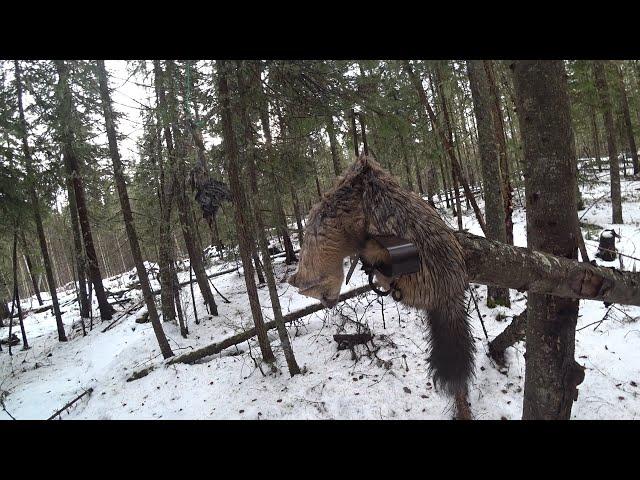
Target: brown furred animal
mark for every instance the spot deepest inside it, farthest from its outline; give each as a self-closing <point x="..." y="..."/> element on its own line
<point x="368" y="201"/>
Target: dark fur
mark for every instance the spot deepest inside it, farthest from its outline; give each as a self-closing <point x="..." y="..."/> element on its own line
<point x="365" y="201"/>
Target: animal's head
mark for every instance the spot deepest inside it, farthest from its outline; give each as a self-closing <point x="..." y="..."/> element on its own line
<point x="335" y="229"/>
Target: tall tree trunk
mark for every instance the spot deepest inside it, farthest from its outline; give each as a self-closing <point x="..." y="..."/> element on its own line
<point x="333" y="144"/>
<point x="281" y="219"/>
<point x="127" y="215"/>
<point x="32" y="275"/>
<point x="240" y="208"/>
<point x="354" y="133"/>
<point x="194" y="249"/>
<point x="542" y="97"/>
<point x="445" y="141"/>
<point x="405" y="159"/>
<point x="35" y="204"/>
<point x="622" y="92"/>
<point x="498" y="129"/>
<point x="249" y="150"/>
<point x="455" y="174"/>
<point x="16" y="294"/>
<point x="73" y="171"/>
<point x="166" y="194"/>
<point x="83" y="298"/>
<point x="298" y="214"/>
<point x="595" y="137"/>
<point x="490" y="161"/>
<point x="614" y="164"/>
<point x="4" y="309"/>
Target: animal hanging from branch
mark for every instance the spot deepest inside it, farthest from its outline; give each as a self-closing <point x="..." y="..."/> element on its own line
<point x="210" y="193"/>
<point x="366" y="206"/>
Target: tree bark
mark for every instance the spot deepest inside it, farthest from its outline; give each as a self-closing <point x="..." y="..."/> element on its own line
<point x="281" y="219"/>
<point x="491" y="166"/>
<point x="596" y="137"/>
<point x="448" y="135"/>
<point x="614" y="165"/>
<point x="445" y="141"/>
<point x="127" y="215"/>
<point x="83" y="298"/>
<point x="333" y="144"/>
<point x="32" y="274"/>
<point x="16" y="294"/>
<point x="624" y="103"/>
<point x="263" y="244"/>
<point x="498" y="129"/>
<point x="240" y="208"/>
<point x="550" y="182"/>
<point x="166" y="191"/>
<point x="35" y="204"/>
<point x="73" y="171"/>
<point x="405" y="160"/>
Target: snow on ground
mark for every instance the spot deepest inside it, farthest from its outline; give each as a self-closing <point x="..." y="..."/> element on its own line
<point x="390" y="382"/>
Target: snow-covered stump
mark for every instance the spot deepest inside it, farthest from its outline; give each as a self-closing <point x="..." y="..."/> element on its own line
<point x="607" y="246"/>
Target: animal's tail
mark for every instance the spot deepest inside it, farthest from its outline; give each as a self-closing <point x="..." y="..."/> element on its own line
<point x="452" y="347"/>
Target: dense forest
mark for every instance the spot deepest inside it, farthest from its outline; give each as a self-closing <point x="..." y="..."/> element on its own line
<point x="188" y="214"/>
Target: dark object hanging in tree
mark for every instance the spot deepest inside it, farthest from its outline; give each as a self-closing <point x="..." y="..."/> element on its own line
<point x="210" y="194"/>
<point x="607" y="247"/>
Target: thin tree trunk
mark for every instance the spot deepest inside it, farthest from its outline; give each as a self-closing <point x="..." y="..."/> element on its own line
<point x="498" y="129"/>
<point x="455" y="177"/>
<point x="622" y="92"/>
<point x="32" y="275"/>
<point x="298" y="214"/>
<point x="79" y="256"/>
<point x="552" y="374"/>
<point x="166" y="193"/>
<point x="260" y="229"/>
<point x="447" y="144"/>
<point x="240" y="208"/>
<point x="405" y="160"/>
<point x="614" y="164"/>
<point x="35" y="204"/>
<point x="16" y="294"/>
<point x="354" y="133"/>
<point x="73" y="171"/>
<point x="333" y="144"/>
<point x="281" y="219"/>
<point x="595" y="137"/>
<point x="491" y="164"/>
<point x="125" y="206"/>
<point x="176" y="298"/>
<point x="256" y="264"/>
<point x="194" y="249"/>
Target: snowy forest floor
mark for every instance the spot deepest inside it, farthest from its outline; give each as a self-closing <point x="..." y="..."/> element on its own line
<point x="388" y="381"/>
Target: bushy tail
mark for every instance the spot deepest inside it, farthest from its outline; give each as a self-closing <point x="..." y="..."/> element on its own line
<point x="452" y="348"/>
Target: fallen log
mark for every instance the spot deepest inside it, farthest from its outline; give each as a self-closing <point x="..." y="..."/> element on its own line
<point x="214" y="348"/>
<point x="58" y="412"/>
<point x="125" y="313"/>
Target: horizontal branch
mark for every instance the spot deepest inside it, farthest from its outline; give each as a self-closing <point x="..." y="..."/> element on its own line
<point x="494" y="263"/>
